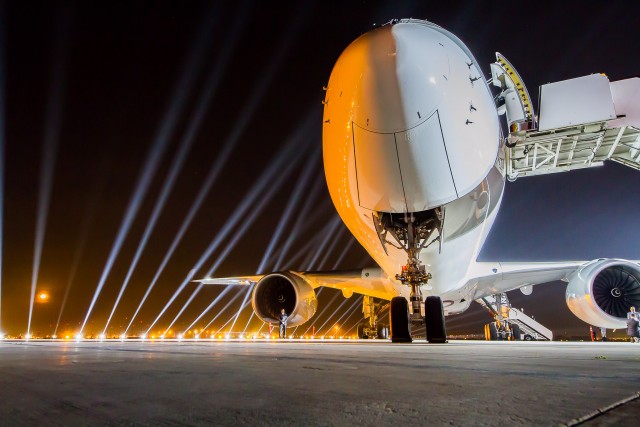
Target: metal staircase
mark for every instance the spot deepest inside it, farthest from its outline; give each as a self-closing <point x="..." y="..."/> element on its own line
<point x="501" y="309"/>
<point x="542" y="152"/>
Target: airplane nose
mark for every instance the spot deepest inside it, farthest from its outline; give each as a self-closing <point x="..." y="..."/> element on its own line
<point x="420" y="115"/>
<point x="402" y="73"/>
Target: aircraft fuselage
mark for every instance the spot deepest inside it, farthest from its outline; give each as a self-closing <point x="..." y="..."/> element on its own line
<point x="410" y="126"/>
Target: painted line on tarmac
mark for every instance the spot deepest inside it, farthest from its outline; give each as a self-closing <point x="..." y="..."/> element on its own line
<point x="601" y="411"/>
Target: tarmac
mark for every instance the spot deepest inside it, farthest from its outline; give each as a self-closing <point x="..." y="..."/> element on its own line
<point x="318" y="383"/>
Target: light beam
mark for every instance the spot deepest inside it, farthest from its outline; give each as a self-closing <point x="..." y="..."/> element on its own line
<point x="302" y="215"/>
<point x="336" y="311"/>
<point x="209" y="307"/>
<point x="50" y="144"/>
<point x="239" y="233"/>
<point x="303" y="180"/>
<point x="160" y="144"/>
<point x="322" y="311"/>
<point x="349" y="311"/>
<point x="235" y="297"/>
<point x="202" y="107"/>
<point x="3" y="70"/>
<point x="334" y="224"/>
<point x="329" y="251"/>
<point x="272" y="175"/>
<point x="221" y="160"/>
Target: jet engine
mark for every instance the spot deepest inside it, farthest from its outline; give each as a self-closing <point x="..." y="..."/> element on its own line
<point x="601" y="292"/>
<point x="286" y="290"/>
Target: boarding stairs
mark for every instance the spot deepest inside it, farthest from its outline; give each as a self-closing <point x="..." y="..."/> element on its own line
<point x="500" y="308"/>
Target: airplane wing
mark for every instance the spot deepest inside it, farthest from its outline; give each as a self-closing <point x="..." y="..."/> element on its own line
<point x="505" y="276"/>
<point x="244" y="280"/>
<point x="368" y="281"/>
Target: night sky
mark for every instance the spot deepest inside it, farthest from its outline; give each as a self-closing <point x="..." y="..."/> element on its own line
<point x="105" y="102"/>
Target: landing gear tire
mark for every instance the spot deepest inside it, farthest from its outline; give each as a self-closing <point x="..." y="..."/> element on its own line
<point x="361" y="333"/>
<point x="399" y="320"/>
<point x="491" y="332"/>
<point x="383" y="332"/>
<point x="434" y="320"/>
<point x="528" y="337"/>
<point x="516" y="335"/>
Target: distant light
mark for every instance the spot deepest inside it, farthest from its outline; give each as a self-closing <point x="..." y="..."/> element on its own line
<point x="122" y="337"/>
<point x="66" y="337"/>
<point x="79" y="337"/>
<point x="197" y="337"/>
<point x="2" y="336"/>
<point x="180" y="337"/>
<point x="102" y="337"/>
<point x="28" y="336"/>
<point x="144" y="337"/>
<point x="162" y="337"/>
<point x="228" y="336"/>
<point x="43" y="296"/>
<point x="55" y="337"/>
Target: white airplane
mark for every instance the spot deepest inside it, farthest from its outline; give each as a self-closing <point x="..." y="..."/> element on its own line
<point x="416" y="160"/>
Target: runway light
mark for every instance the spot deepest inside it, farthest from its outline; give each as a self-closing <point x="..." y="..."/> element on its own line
<point x="79" y="337"/>
<point x="28" y="337"/>
<point x="55" y="337"/>
<point x="102" y="337"/>
<point x="227" y="336"/>
<point x="2" y="336"/>
<point x="144" y="337"/>
<point x="66" y="337"/>
<point x="162" y="337"/>
<point x="180" y="336"/>
<point x="122" y="337"/>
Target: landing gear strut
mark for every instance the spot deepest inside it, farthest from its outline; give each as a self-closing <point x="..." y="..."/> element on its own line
<point x="412" y="231"/>
<point x="372" y="329"/>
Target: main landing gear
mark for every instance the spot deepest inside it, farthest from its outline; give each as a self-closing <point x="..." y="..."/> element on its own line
<point x="372" y="329"/>
<point x="412" y="231"/>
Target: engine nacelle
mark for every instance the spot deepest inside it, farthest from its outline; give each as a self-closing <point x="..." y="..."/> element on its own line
<point x="601" y="292"/>
<point x="286" y="290"/>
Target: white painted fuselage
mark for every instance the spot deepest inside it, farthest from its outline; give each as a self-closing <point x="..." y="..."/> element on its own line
<point x="410" y="125"/>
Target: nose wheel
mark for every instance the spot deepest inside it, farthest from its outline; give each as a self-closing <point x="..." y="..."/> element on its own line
<point x="399" y="320"/>
<point x="434" y="320"/>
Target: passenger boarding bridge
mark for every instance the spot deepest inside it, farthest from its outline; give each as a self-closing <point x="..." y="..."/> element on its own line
<point x="581" y="123"/>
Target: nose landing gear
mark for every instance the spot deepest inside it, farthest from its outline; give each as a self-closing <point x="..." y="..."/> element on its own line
<point x="429" y="312"/>
<point x="412" y="232"/>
